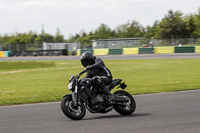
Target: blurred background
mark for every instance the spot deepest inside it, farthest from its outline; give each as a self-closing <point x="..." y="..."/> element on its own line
<point x="33" y="26"/>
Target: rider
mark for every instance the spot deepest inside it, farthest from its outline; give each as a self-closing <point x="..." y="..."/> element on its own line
<point x="97" y="70"/>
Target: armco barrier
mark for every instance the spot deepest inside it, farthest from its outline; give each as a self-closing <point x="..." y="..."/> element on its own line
<point x="115" y="51"/>
<point x="146" y="50"/>
<point x="197" y="49"/>
<point x="130" y="51"/>
<point x="101" y="51"/>
<point x="185" y="49"/>
<point x="163" y="50"/>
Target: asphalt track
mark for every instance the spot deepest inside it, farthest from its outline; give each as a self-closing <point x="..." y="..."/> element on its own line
<point x="173" y="112"/>
<point x="110" y="57"/>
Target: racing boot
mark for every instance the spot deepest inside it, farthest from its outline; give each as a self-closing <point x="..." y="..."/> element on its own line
<point x="111" y="97"/>
<point x="102" y="86"/>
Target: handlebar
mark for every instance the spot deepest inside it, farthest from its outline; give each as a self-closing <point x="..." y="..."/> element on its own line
<point x="81" y="73"/>
<point x="84" y="71"/>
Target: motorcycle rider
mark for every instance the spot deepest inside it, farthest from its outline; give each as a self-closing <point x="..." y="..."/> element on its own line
<point x="97" y="70"/>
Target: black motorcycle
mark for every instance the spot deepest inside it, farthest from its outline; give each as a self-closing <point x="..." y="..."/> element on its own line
<point x="85" y="94"/>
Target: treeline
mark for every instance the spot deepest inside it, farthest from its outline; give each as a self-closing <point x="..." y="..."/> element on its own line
<point x="173" y="25"/>
<point x="32" y="38"/>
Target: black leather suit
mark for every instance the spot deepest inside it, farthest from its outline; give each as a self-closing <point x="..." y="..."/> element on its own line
<point x="98" y="70"/>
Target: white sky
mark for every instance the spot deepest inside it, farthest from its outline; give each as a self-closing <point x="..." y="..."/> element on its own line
<point x="72" y="16"/>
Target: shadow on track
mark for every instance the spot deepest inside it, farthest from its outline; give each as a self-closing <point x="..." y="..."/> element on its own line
<point x="120" y="116"/>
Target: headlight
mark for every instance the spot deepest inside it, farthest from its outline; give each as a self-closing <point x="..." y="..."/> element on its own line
<point x="70" y="86"/>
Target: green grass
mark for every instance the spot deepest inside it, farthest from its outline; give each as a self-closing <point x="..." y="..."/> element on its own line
<point x="42" y="81"/>
<point x="6" y="66"/>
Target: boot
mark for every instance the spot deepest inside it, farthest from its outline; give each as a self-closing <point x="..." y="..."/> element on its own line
<point x="111" y="97"/>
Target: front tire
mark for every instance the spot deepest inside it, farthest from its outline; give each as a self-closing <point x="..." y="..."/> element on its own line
<point x="74" y="113"/>
<point x="129" y="107"/>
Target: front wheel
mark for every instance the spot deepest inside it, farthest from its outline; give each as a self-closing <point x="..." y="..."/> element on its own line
<point x="127" y="108"/>
<point x="74" y="113"/>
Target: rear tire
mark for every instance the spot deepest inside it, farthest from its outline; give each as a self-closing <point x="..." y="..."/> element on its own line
<point x="130" y="106"/>
<point x="70" y="111"/>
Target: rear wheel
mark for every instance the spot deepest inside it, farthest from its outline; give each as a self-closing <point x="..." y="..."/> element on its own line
<point x="126" y="108"/>
<point x="75" y="113"/>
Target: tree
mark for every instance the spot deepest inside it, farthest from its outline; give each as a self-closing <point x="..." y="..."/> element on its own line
<point x="74" y="38"/>
<point x="59" y="37"/>
<point x="103" y="32"/>
<point x="44" y="38"/>
<point x="152" y="31"/>
<point x="196" y="32"/>
<point x="173" y="25"/>
<point x="190" y="24"/>
<point x="38" y="40"/>
<point x="129" y="30"/>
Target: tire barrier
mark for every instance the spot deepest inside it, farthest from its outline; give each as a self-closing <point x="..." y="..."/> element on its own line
<point x="1" y="54"/>
<point x="63" y="52"/>
<point x="86" y="50"/>
<point x="163" y="50"/>
<point x="197" y="49"/>
<point x="146" y="50"/>
<point x="78" y="51"/>
<point x="106" y="51"/>
<point x="115" y="51"/>
<point x="5" y="53"/>
<point x="185" y="49"/>
<point x="101" y="51"/>
<point x="130" y="51"/>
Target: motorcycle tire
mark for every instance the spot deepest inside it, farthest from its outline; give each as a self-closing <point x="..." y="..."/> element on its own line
<point x="125" y="109"/>
<point x="71" y="112"/>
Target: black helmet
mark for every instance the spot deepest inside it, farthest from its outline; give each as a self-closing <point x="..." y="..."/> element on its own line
<point x="87" y="58"/>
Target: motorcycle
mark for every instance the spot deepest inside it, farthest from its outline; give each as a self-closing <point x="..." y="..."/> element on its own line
<point x="85" y="94"/>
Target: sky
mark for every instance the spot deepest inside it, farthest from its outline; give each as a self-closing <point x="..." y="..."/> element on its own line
<point x="74" y="16"/>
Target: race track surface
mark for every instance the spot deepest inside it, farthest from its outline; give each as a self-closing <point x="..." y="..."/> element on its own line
<point x="110" y="57"/>
<point x="173" y="112"/>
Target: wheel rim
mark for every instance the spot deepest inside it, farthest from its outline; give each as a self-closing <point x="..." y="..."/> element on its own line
<point x="127" y="104"/>
<point x="74" y="110"/>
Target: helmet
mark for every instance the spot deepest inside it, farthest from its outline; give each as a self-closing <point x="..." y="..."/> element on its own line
<point x="87" y="59"/>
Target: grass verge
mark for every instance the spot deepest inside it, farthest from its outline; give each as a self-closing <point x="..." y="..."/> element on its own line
<point x="43" y="81"/>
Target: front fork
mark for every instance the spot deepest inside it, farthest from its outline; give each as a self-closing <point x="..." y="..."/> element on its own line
<point x="75" y="98"/>
<point x="75" y="95"/>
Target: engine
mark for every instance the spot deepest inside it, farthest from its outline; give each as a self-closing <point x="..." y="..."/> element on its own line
<point x="99" y="98"/>
<point x="84" y="91"/>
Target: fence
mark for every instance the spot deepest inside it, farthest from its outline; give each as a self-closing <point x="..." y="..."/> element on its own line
<point x="168" y="42"/>
<point x="174" y="41"/>
<point x="141" y="42"/>
<point x="22" y="47"/>
<point x="117" y="43"/>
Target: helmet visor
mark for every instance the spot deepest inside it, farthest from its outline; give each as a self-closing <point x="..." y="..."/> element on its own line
<point x="84" y="62"/>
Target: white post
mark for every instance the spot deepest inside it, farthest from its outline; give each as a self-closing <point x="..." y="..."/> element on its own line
<point x="44" y="45"/>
